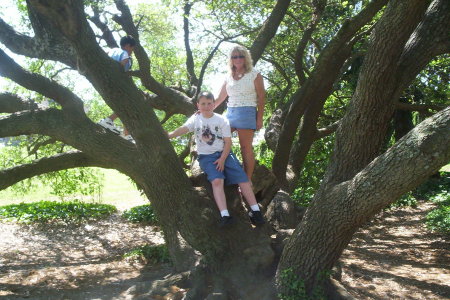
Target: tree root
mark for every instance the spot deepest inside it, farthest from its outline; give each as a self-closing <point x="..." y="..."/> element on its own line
<point x="336" y="291"/>
<point x="158" y="288"/>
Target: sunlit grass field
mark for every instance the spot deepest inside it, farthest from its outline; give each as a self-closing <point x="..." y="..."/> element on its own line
<point x="118" y="190"/>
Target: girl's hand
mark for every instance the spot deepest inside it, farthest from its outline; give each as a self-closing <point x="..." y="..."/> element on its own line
<point x="259" y="124"/>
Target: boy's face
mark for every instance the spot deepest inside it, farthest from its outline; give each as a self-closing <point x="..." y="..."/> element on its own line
<point x="128" y="48"/>
<point x="205" y="105"/>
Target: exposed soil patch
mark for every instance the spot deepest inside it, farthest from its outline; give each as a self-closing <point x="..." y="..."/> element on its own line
<point x="396" y="257"/>
<point x="393" y="257"/>
<point x="74" y="262"/>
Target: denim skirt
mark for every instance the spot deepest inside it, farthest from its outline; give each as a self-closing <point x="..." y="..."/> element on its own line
<point x="242" y="117"/>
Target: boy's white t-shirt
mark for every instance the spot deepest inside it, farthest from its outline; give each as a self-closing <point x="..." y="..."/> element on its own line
<point x="209" y="132"/>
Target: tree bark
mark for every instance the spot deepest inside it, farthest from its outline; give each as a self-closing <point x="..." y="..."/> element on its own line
<point x="337" y="211"/>
<point x="380" y="69"/>
<point x="317" y="88"/>
<point x="357" y="186"/>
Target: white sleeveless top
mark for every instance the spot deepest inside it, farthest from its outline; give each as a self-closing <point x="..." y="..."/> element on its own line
<point x="242" y="92"/>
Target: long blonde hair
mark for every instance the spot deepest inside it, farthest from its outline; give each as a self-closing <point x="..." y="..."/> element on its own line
<point x="240" y="50"/>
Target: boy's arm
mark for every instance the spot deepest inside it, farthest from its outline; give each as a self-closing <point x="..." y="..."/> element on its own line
<point x="226" y="150"/>
<point x="124" y="62"/>
<point x="177" y="132"/>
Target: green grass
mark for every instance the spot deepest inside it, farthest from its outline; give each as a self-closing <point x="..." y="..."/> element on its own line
<point x="140" y="214"/>
<point x="55" y="212"/>
<point x="118" y="191"/>
<point x="150" y="253"/>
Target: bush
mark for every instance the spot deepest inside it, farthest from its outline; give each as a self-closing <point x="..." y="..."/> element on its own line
<point x="150" y="253"/>
<point x="433" y="187"/>
<point x="439" y="219"/>
<point x="294" y="288"/>
<point x="140" y="214"/>
<point x="407" y="199"/>
<point x="50" y="211"/>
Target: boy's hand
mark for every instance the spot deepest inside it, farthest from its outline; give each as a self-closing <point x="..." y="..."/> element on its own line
<point x="220" y="164"/>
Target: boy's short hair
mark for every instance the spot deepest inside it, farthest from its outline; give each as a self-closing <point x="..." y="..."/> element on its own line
<point x="207" y="95"/>
<point x="127" y="40"/>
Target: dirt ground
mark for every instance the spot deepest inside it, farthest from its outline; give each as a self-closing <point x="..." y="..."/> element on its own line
<point x="396" y="257"/>
<point x="393" y="257"/>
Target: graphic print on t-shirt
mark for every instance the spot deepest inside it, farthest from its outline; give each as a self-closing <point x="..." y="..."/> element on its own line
<point x="208" y="136"/>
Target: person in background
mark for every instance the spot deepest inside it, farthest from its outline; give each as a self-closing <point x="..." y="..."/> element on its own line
<point x="123" y="56"/>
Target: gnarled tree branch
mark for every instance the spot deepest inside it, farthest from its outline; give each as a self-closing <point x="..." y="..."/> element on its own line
<point x="47" y="45"/>
<point x="380" y="68"/>
<point x="318" y="87"/>
<point x="307" y="33"/>
<point x="167" y="96"/>
<point x="107" y="35"/>
<point x="193" y="80"/>
<point x="45" y="165"/>
<point x="11" y="103"/>
<point x="51" y="89"/>
<point x="268" y="29"/>
<point x="418" y="107"/>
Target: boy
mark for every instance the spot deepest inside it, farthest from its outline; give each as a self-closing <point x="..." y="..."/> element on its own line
<point x="213" y="138"/>
<point x="123" y="56"/>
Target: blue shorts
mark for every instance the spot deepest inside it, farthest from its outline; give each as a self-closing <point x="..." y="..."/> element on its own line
<point x="232" y="173"/>
<point x="242" y="117"/>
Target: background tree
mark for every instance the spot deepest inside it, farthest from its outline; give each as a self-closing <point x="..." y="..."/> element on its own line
<point x="332" y="67"/>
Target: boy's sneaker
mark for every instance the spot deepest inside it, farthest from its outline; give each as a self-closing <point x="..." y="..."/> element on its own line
<point x="128" y="138"/>
<point x="109" y="124"/>
<point x="256" y="218"/>
<point x="226" y="221"/>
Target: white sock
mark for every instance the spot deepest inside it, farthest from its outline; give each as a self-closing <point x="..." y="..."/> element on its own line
<point x="224" y="213"/>
<point x="255" y="207"/>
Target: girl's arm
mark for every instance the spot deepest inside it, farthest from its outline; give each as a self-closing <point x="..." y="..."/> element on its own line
<point x="222" y="95"/>
<point x="261" y="100"/>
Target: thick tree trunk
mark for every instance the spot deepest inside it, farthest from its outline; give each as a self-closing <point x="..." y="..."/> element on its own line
<point x="357" y="186"/>
<point x="364" y="126"/>
<point x="156" y="167"/>
<point x="337" y="211"/>
<point x="313" y="93"/>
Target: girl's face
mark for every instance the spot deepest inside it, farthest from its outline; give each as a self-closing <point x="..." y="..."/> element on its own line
<point x="205" y="105"/>
<point x="238" y="59"/>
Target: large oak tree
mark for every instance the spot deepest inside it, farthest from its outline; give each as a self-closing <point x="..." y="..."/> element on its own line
<point x="360" y="179"/>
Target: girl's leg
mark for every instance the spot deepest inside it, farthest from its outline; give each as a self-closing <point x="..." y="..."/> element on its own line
<point x="247" y="192"/>
<point x="248" y="157"/>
